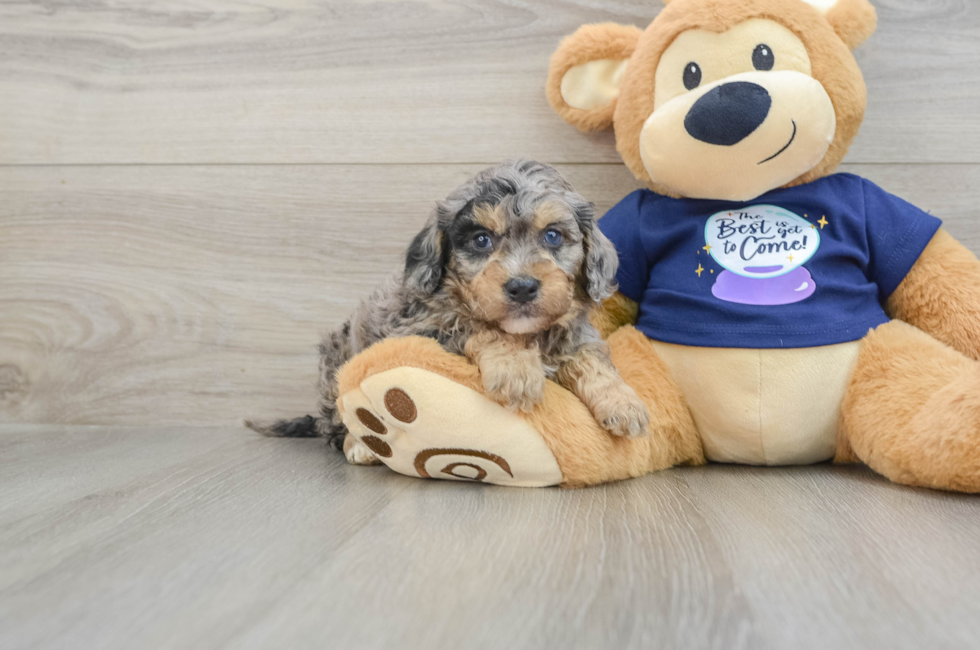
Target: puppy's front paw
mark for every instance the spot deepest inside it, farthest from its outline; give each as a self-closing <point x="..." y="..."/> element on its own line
<point x="621" y="413"/>
<point x="357" y="452"/>
<point x="516" y="386"/>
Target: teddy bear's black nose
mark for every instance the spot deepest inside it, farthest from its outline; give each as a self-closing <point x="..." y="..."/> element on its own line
<point x="728" y="114"/>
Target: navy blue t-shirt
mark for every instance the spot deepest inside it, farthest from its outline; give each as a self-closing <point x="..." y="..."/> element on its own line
<point x="799" y="267"/>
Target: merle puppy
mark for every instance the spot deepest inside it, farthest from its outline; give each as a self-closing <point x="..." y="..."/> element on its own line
<point x="506" y="272"/>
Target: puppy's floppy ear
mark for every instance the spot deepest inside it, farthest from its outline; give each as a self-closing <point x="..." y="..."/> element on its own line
<point x="425" y="259"/>
<point x="853" y="20"/>
<point x="586" y="71"/>
<point x="601" y="261"/>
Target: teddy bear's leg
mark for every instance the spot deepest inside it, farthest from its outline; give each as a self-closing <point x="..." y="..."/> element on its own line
<point x="590" y="455"/>
<point x="912" y="410"/>
<point x="422" y="411"/>
<point x="673" y="436"/>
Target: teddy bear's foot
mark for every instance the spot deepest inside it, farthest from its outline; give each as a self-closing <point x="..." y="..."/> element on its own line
<point x="422" y="424"/>
<point x="424" y="413"/>
<point x="912" y="410"/>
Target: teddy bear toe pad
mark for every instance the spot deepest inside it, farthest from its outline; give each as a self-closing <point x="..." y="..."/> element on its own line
<point x="424" y="425"/>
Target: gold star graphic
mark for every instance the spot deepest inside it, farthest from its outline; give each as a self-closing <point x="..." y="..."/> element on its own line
<point x="790" y="257"/>
<point x="823" y="221"/>
<point x="699" y="270"/>
<point x="707" y="247"/>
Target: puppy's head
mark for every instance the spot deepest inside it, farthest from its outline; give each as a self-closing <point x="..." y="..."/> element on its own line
<point x="517" y="246"/>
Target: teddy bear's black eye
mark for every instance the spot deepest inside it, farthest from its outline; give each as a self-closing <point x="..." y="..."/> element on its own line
<point x="692" y="76"/>
<point x="763" y="58"/>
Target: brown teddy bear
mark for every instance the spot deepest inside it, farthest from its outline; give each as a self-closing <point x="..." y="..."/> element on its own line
<point x="783" y="314"/>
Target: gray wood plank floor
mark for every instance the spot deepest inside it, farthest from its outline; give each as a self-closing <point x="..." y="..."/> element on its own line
<point x="190" y="191"/>
<point x="435" y="81"/>
<point x="217" y="538"/>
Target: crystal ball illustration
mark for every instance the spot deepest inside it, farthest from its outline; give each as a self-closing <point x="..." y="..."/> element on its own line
<point x="763" y="249"/>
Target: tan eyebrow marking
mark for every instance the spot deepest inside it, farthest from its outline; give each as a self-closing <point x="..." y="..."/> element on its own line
<point x="547" y="214"/>
<point x="490" y="218"/>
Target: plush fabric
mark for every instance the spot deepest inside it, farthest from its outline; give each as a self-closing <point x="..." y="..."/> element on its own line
<point x="763" y="407"/>
<point x="853" y="20"/>
<point x="594" y="84"/>
<point x="939" y="295"/>
<point x="616" y="311"/>
<point x="832" y="64"/>
<point x="719" y="274"/>
<point x="912" y="410"/>
<point x="793" y="108"/>
<point x="452" y="413"/>
<point x="420" y="423"/>
<point x="602" y="42"/>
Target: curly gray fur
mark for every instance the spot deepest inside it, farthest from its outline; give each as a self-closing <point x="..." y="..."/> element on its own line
<point x="425" y="298"/>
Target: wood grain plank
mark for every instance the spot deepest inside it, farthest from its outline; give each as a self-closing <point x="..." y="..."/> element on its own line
<point x="169" y="537"/>
<point x="437" y="81"/>
<point x="217" y="538"/>
<point x="866" y="559"/>
<point x="630" y="565"/>
<point x="194" y="295"/>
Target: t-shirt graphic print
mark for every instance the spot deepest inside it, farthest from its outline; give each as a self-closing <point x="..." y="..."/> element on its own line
<point x="763" y="249"/>
<point x="805" y="266"/>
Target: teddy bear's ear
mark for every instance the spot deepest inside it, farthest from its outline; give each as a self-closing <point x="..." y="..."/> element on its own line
<point x="853" y="20"/>
<point x="585" y="73"/>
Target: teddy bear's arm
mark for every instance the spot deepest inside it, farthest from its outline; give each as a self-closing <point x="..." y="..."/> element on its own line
<point x="615" y="311"/>
<point x="941" y="295"/>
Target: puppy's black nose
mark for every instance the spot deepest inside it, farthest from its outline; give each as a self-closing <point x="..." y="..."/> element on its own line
<point x="522" y="289"/>
<point x="728" y="114"/>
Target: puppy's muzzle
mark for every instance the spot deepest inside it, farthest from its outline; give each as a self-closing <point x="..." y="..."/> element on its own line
<point x="522" y="289"/>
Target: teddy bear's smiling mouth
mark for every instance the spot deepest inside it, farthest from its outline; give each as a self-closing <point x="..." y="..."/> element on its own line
<point x="784" y="148"/>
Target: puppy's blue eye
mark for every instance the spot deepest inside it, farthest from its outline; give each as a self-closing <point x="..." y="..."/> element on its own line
<point x="553" y="238"/>
<point x="483" y="242"/>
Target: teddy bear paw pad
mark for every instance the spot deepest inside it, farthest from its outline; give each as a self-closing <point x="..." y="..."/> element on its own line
<point x="424" y="425"/>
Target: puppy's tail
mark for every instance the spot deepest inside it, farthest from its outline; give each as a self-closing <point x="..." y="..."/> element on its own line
<point x="304" y="427"/>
